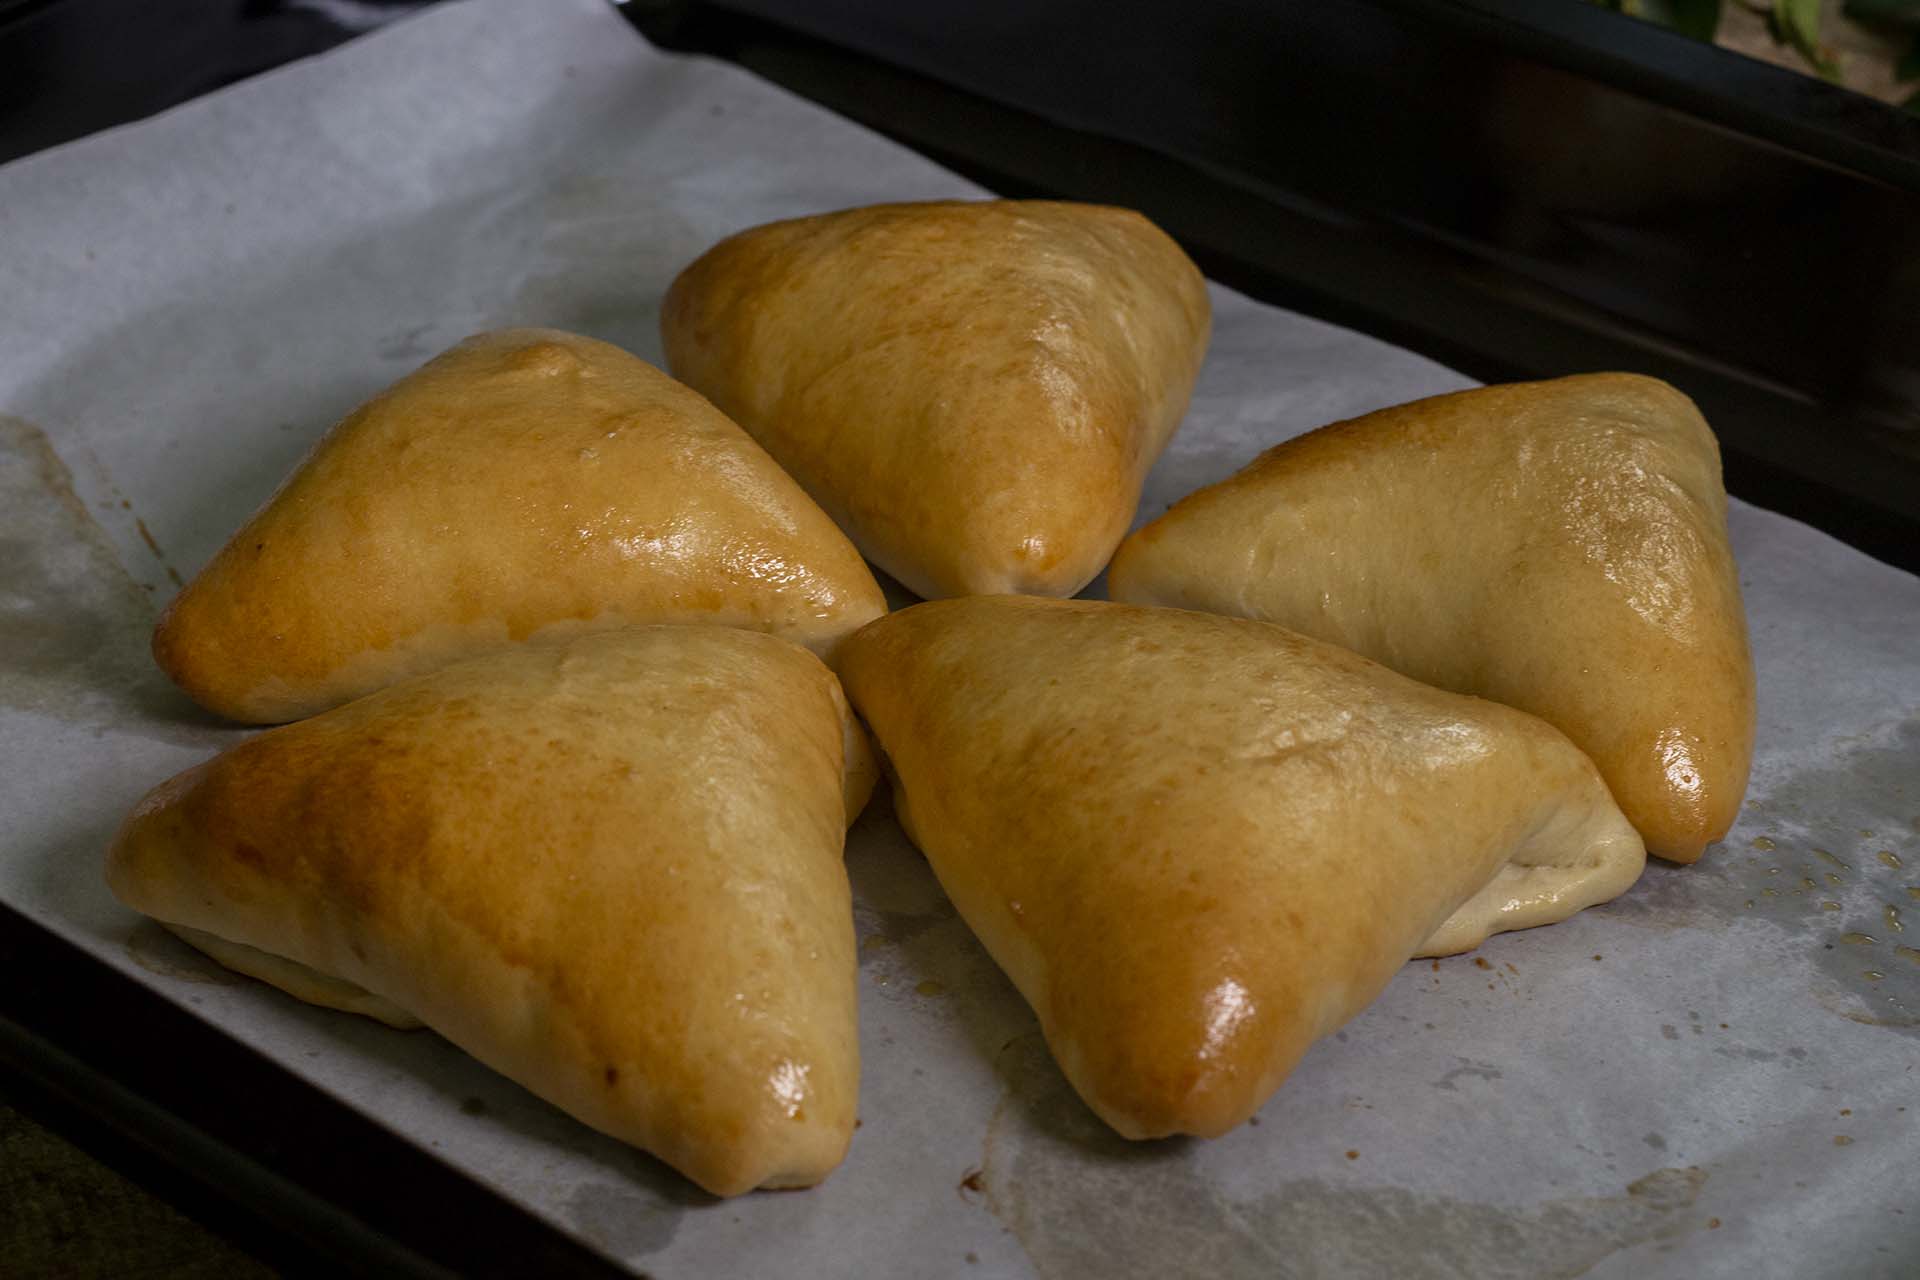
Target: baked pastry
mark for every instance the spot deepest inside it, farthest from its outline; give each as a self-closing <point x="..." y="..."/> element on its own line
<point x="1198" y="843"/>
<point x="1557" y="546"/>
<point x="975" y="391"/>
<point x="610" y="868"/>
<point x="527" y="485"/>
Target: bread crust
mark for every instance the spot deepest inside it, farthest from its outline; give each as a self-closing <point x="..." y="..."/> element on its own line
<point x="527" y="486"/>
<point x="1557" y="546"/>
<point x="974" y="390"/>
<point x="1198" y="843"/>
<point x="610" y="869"/>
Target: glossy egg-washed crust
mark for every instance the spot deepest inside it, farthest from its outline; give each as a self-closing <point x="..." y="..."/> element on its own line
<point x="528" y="484"/>
<point x="1198" y="843"/>
<point x="610" y="869"/>
<point x="974" y="390"/>
<point x="1557" y="546"/>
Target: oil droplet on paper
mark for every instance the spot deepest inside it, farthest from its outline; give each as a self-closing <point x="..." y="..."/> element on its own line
<point x="1764" y="845"/>
<point x="1889" y="857"/>
<point x="1859" y="939"/>
<point x="1893" y="919"/>
<point x="1822" y="853"/>
<point x="931" y="988"/>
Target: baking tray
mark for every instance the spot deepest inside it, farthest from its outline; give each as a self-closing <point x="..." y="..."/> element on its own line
<point x="348" y="1190"/>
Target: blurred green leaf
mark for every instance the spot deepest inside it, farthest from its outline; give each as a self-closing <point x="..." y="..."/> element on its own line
<point x="1697" y="18"/>
<point x="1908" y="68"/>
<point x="1912" y="104"/>
<point x="1905" y="13"/>
<point x="1797" y="22"/>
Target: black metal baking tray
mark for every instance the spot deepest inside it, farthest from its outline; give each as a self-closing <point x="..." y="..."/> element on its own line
<point x="1518" y="188"/>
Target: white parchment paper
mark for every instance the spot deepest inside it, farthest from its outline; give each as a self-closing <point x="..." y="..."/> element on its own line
<point x="1714" y="1076"/>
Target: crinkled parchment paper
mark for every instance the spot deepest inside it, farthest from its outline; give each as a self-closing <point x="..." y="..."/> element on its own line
<point x="1714" y="1076"/>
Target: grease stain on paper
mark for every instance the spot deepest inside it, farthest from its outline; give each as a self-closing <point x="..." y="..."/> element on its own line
<point x="74" y="625"/>
<point x="913" y="943"/>
<point x="1820" y="825"/>
<point x="624" y="1222"/>
<point x="1484" y="1071"/>
<point x="1083" y="1201"/>
<point x="157" y="951"/>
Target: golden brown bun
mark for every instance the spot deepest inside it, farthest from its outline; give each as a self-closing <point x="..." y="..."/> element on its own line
<point x="610" y="869"/>
<point x="1197" y="843"/>
<point x="1557" y="546"/>
<point x="975" y="391"/>
<point x="528" y="485"/>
